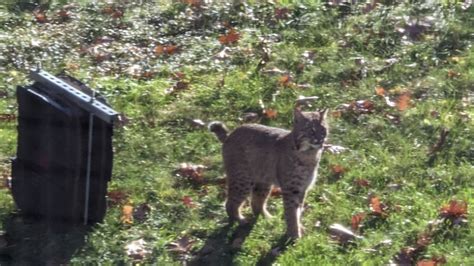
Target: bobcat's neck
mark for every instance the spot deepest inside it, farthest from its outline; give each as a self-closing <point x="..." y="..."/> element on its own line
<point x="310" y="154"/>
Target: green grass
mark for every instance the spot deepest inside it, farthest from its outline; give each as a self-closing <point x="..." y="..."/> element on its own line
<point x="342" y="56"/>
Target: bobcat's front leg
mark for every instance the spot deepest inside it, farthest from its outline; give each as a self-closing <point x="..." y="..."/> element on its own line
<point x="293" y="204"/>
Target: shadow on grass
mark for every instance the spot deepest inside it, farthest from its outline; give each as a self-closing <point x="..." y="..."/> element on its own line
<point x="30" y="241"/>
<point x="220" y="248"/>
<point x="278" y="248"/>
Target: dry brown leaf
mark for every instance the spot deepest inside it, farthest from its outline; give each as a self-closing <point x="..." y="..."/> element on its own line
<point x="435" y="261"/>
<point x="165" y="49"/>
<point x="380" y="91"/>
<point x="270" y="113"/>
<point x="336" y="114"/>
<point x="275" y="192"/>
<point x="188" y="202"/>
<point x="127" y="214"/>
<point x="194" y="3"/>
<point x="282" y="13"/>
<point x="231" y="37"/>
<point x="453" y="74"/>
<point x="193" y="172"/>
<point x="376" y="206"/>
<point x="404" y="101"/>
<point x="426" y="263"/>
<point x="178" y="86"/>
<point x="362" y="182"/>
<point x="356" y="220"/>
<point x="284" y="80"/>
<point x="337" y="169"/>
<point x="116" y="197"/>
<point x="40" y="16"/>
<point x="454" y="209"/>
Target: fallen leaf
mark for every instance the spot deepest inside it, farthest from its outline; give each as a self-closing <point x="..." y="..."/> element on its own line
<point x="137" y="250"/>
<point x="453" y="74"/>
<point x="40" y="16"/>
<point x="403" y="101"/>
<point x="338" y="170"/>
<point x="454" y="209"/>
<point x="194" y="3"/>
<point x="405" y="256"/>
<point x="358" y="107"/>
<point x="178" y="75"/>
<point x="342" y="234"/>
<point x="182" y="245"/>
<point x="356" y="220"/>
<point x="231" y="37"/>
<point x="380" y="91"/>
<point x="127" y="214"/>
<point x="270" y="113"/>
<point x="426" y="263"/>
<point x="435" y="261"/>
<point x="282" y="13"/>
<point x="178" y="86"/>
<point x="284" y="80"/>
<point x="140" y="213"/>
<point x="64" y="14"/>
<point x="275" y="192"/>
<point x="336" y="114"/>
<point x="165" y="49"/>
<point x="188" y="202"/>
<point x="376" y="206"/>
<point x="366" y="105"/>
<point x="362" y="182"/>
<point x="116" y="197"/>
<point x="194" y="172"/>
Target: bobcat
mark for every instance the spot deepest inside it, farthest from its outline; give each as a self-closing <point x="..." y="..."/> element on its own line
<point x="256" y="157"/>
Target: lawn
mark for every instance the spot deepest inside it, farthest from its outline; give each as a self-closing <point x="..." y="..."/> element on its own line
<point x="397" y="76"/>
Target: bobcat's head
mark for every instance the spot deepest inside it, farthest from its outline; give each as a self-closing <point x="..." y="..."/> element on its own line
<point x="309" y="129"/>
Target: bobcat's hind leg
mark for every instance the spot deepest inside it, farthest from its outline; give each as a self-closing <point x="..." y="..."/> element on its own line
<point x="260" y="194"/>
<point x="237" y="192"/>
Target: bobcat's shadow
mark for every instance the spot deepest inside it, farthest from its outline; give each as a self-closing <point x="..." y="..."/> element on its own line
<point x="221" y="246"/>
<point x="279" y="247"/>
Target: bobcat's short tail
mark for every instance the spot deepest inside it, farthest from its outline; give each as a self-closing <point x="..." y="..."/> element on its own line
<point x="219" y="129"/>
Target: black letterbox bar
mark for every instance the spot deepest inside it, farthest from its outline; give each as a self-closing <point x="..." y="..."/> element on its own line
<point x="85" y="101"/>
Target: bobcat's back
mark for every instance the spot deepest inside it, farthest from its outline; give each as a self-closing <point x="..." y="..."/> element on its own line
<point x="254" y="148"/>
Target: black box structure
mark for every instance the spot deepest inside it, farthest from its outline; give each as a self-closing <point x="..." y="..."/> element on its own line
<point x="64" y="153"/>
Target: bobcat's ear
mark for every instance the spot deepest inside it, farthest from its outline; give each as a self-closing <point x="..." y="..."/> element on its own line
<point x="323" y="115"/>
<point x="297" y="114"/>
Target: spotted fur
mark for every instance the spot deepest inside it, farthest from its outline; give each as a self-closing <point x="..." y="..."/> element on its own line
<point x="257" y="157"/>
